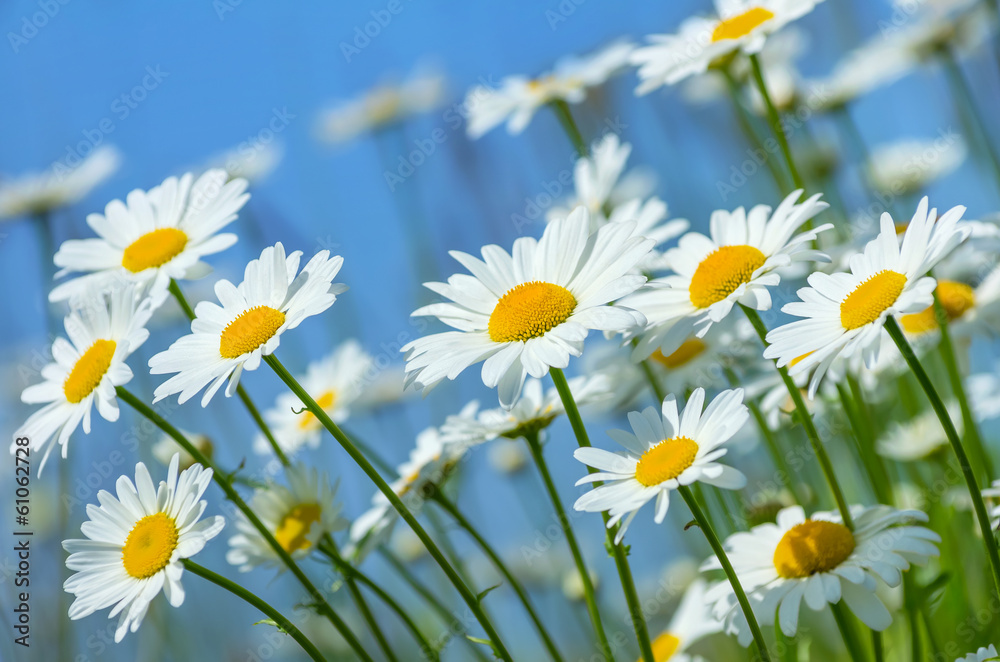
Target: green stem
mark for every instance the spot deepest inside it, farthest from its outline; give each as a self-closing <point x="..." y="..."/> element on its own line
<point x="876" y="475"/>
<point x="746" y="125"/>
<point x="283" y="623"/>
<point x="807" y="422"/>
<point x="467" y="595"/>
<point x="562" y="111"/>
<point x="654" y="383"/>
<point x="877" y="646"/>
<point x="727" y="567"/>
<point x="842" y="616"/>
<point x="617" y="550"/>
<point x="319" y="602"/>
<point x="775" y="121"/>
<point x="956" y="444"/>
<point x="961" y="90"/>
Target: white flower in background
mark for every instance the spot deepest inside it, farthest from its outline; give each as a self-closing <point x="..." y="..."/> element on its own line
<point x="982" y="655"/>
<point x="918" y="437"/>
<point x="908" y="166"/>
<point x="297" y="515"/>
<point x="691" y="622"/>
<point x="993" y="492"/>
<point x="252" y="161"/>
<point x="970" y="310"/>
<point x="877" y="63"/>
<point x="153" y="236"/>
<point x="527" y="312"/>
<point x="844" y="313"/>
<point x="662" y="453"/>
<point x="572" y="584"/>
<point x="334" y="382"/>
<point x="136" y="544"/>
<point x="737" y="263"/>
<point x="517" y="98"/>
<point x="58" y="186"/>
<point x="819" y="561"/>
<point x="701" y="42"/>
<point x="384" y="105"/>
<point x="984" y="394"/>
<point x="85" y="370"/>
<point x="274" y="297"/>
<point x="507" y="458"/>
<point x="167" y="447"/>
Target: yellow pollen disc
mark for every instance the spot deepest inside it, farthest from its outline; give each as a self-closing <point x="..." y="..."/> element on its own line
<point x="249" y="331"/>
<point x="722" y="271"/>
<point x="530" y="310"/>
<point x="295" y="525"/>
<point x="688" y="351"/>
<point x="811" y="547"/>
<point x="956" y="299"/>
<point x="742" y="24"/>
<point x="89" y="370"/>
<point x="871" y="298"/>
<point x="664" y="647"/>
<point x="154" y="249"/>
<point x="149" y="545"/>
<point x="325" y="402"/>
<point x="667" y="459"/>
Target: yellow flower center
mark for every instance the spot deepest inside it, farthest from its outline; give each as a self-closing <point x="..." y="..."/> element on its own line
<point x="956" y="300"/>
<point x="149" y="545"/>
<point x="295" y="525"/>
<point x="742" y="24"/>
<point x="530" y="310"/>
<point x="249" y="331"/>
<point x="871" y="298"/>
<point x="722" y="271"/>
<point x="667" y="459"/>
<point x="89" y="370"/>
<point x="688" y="351"/>
<point x="811" y="547"/>
<point x="664" y="647"/>
<point x="154" y="249"/>
<point x="325" y="401"/>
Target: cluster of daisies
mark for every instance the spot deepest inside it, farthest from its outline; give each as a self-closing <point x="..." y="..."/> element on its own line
<point x="875" y="521"/>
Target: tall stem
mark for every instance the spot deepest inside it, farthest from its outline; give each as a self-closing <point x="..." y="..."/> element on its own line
<point x="841" y="615"/>
<point x="468" y="596"/>
<point x="561" y="109"/>
<point x="775" y="121"/>
<point x="746" y="125"/>
<point x="961" y="90"/>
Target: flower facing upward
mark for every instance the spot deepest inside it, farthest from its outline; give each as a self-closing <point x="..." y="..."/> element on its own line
<point x="665" y="450"/>
<point x="527" y="312"/>
<point x="136" y="543"/>
<point x="274" y="297"/>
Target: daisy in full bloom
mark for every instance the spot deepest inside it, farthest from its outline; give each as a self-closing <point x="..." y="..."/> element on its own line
<point x="274" y="297"/>
<point x="701" y="42"/>
<point x="988" y="654"/>
<point x="297" y="515"/>
<point x="136" y="543"/>
<point x="335" y="383"/>
<point x="527" y="312"/>
<point x="86" y="369"/>
<point x="59" y="186"/>
<point x="153" y="236"/>
<point x="970" y="310"/>
<point x="518" y="97"/>
<point x="737" y="263"/>
<point x="665" y="450"/>
<point x="844" y="313"/>
<point x="692" y="622"/>
<point x="819" y="561"/>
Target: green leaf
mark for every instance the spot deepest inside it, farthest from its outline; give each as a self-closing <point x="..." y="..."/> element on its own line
<point x="271" y="622"/>
<point x="482" y="594"/>
<point x="485" y="642"/>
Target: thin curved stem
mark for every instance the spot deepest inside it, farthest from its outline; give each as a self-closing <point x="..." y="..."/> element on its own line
<point x="251" y="599"/>
<point x="617" y="550"/>
<point x="775" y="121"/>
<point x="561" y="109"/>
<point x="746" y="125"/>
<point x="468" y="596"/>
<point x="842" y="617"/>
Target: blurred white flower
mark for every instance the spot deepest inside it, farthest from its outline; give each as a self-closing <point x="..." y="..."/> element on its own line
<point x="58" y="186"/>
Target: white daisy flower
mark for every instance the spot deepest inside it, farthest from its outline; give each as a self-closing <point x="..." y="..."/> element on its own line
<point x="662" y="453"/>
<point x="297" y="515"/>
<point x="153" y="236"/>
<point x="984" y="394"/>
<point x="596" y="178"/>
<point x="136" y="543"/>
<point x="819" y="561"/>
<point x="970" y="310"/>
<point x="226" y="339"/>
<point x="919" y="437"/>
<point x="691" y="622"/>
<point x="701" y="42"/>
<point x="528" y="312"/>
<point x="86" y="369"/>
<point x="737" y="263"/>
<point x="167" y="447"/>
<point x="907" y="166"/>
<point x="845" y="312"/>
<point x="518" y="97"/>
<point x="59" y="186"/>
<point x="988" y="654"/>
<point x="252" y="161"/>
<point x="335" y="383"/>
<point x="877" y="63"/>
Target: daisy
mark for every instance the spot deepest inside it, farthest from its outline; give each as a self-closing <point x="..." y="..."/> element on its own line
<point x="518" y="97"/>
<point x="737" y="263"/>
<point x="528" y="312"/>
<point x="988" y="654"/>
<point x="86" y="369"/>
<point x="919" y="437"/>
<point x="59" y="186"/>
<point x="691" y="622"/>
<point x="273" y="298"/>
<point x="297" y="515"/>
<point x="970" y="310"/>
<point x="136" y="544"/>
<point x="153" y="236"/>
<point x="662" y="453"/>
<point x="703" y="42"/>
<point x="335" y="383"/>
<point x="845" y="312"/>
<point x="875" y="64"/>
<point x="820" y="561"/>
<point x="252" y="161"/>
<point x="167" y="447"/>
<point x="908" y="166"/>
